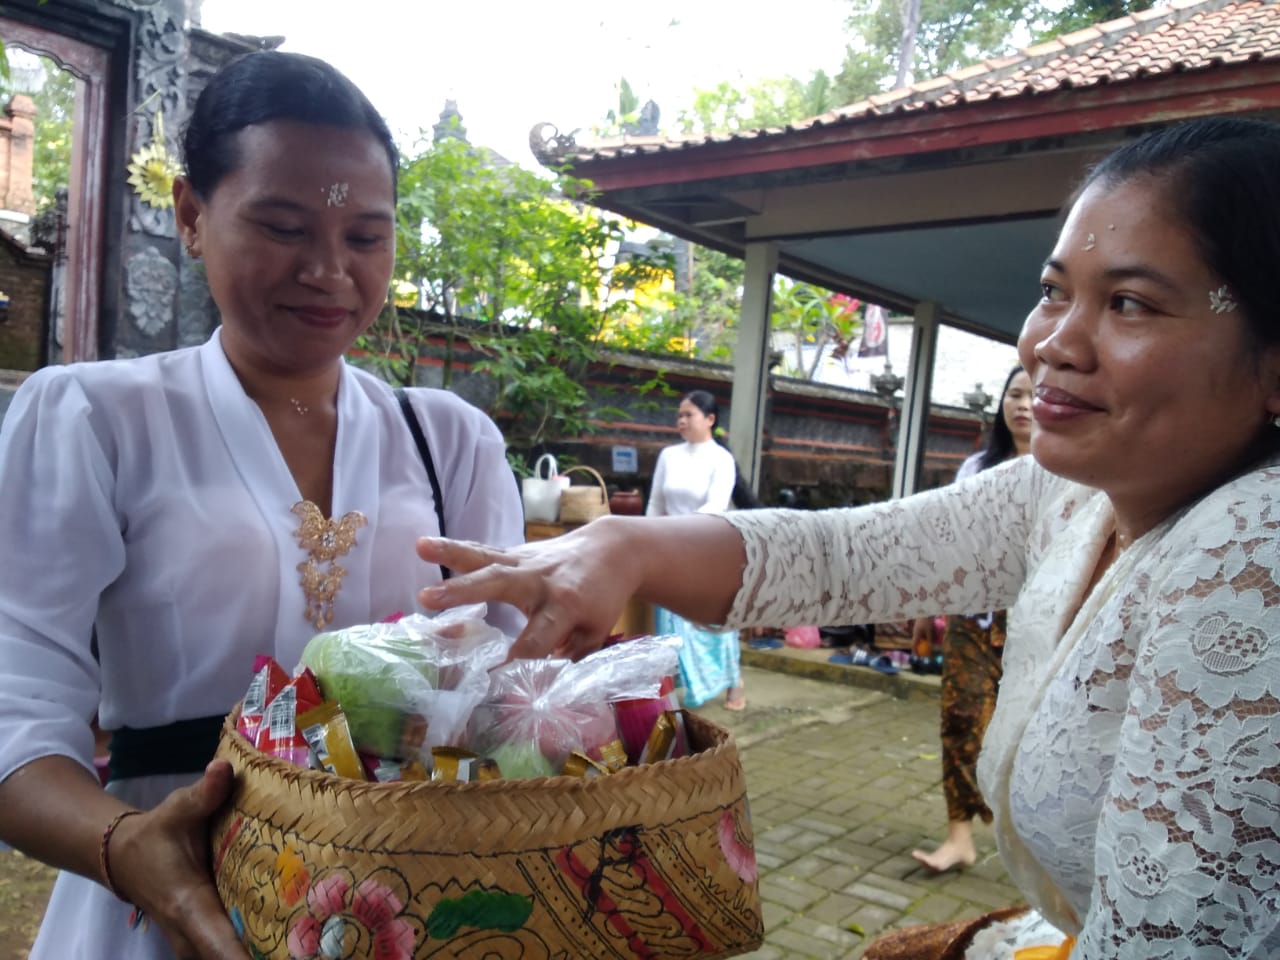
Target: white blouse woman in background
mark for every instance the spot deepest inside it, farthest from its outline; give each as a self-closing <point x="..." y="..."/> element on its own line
<point x="697" y="476"/>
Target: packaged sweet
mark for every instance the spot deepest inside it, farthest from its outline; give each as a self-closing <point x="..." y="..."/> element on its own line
<point x="410" y="685"/>
<point x="661" y="744"/>
<point x="278" y="735"/>
<point x="580" y="765"/>
<point x="327" y="735"/>
<point x="636" y="719"/>
<point x="452" y="763"/>
<point x="268" y="680"/>
<point x="392" y="771"/>
<point x="540" y="711"/>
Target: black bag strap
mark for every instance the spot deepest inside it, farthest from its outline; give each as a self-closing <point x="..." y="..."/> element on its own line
<point x="420" y="441"/>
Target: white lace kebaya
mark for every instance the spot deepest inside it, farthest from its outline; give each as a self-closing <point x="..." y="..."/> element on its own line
<point x="1133" y="763"/>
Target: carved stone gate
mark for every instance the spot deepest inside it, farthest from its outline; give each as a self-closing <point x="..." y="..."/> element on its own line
<point x="129" y="289"/>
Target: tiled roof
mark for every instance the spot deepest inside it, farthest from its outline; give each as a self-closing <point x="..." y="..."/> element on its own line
<point x="1180" y="37"/>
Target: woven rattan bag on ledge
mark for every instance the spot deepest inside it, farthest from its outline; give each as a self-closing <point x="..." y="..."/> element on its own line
<point x="654" y="861"/>
<point x="584" y="503"/>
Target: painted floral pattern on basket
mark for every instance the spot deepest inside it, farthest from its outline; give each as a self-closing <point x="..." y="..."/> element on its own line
<point x="338" y="921"/>
<point x="655" y="863"/>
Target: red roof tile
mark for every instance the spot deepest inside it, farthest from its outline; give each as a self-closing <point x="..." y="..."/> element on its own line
<point x="1184" y="36"/>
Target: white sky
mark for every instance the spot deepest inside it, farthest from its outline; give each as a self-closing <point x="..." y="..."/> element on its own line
<point x="513" y="63"/>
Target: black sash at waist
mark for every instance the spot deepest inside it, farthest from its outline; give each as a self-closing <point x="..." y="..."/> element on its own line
<point x="185" y="746"/>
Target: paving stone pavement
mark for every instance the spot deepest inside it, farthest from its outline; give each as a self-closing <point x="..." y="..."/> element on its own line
<point x="844" y="782"/>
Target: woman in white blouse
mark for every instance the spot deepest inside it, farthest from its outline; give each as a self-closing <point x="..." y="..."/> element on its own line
<point x="698" y="476"/>
<point x="200" y="507"/>
<point x="1133" y="762"/>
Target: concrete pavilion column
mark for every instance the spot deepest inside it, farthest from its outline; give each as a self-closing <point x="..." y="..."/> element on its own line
<point x="915" y="402"/>
<point x="751" y="361"/>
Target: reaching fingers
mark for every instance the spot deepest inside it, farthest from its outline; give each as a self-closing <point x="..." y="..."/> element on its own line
<point x="458" y="555"/>
<point x="546" y="630"/>
<point x="495" y="583"/>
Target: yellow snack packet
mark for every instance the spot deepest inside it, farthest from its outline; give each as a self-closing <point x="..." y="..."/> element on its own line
<point x="329" y="741"/>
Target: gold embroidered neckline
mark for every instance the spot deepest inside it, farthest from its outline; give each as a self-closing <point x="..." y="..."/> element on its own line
<point x="325" y="540"/>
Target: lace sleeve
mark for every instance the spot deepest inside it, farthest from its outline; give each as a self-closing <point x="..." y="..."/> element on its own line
<point x="1187" y="847"/>
<point x="959" y="549"/>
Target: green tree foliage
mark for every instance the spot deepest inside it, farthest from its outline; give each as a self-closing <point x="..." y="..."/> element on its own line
<point x="765" y="103"/>
<point x="709" y="309"/>
<point x="954" y="34"/>
<point x="623" y="115"/>
<point x="813" y="317"/>
<point x="55" y="102"/>
<point x="1084" y="13"/>
<point x="527" y="270"/>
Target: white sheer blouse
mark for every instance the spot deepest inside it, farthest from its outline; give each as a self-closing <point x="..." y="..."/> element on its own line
<point x="1133" y="763"/>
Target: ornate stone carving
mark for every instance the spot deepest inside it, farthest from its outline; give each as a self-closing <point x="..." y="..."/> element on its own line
<point x="151" y="285"/>
<point x="160" y="83"/>
<point x="553" y="145"/>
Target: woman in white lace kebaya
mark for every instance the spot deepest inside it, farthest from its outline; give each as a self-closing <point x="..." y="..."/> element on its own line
<point x="1133" y="763"/>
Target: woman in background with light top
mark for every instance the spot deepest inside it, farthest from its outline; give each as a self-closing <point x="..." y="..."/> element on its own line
<point x="697" y="476"/>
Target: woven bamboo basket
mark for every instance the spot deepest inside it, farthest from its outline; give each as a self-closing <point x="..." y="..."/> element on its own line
<point x="584" y="503"/>
<point x="654" y="861"/>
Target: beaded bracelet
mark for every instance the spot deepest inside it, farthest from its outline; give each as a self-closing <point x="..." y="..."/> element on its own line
<point x="104" y="861"/>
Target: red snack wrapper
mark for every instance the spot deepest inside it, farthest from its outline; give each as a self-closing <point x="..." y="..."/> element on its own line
<point x="636" y="719"/>
<point x="269" y="678"/>
<point x="279" y="735"/>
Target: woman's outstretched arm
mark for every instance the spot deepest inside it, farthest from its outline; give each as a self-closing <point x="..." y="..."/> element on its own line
<point x="573" y="588"/>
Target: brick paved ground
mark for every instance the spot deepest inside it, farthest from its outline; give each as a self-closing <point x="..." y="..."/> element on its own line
<point x="844" y="782"/>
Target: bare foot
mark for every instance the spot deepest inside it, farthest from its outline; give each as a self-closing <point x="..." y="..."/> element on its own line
<point x="949" y="856"/>
<point x="735" y="699"/>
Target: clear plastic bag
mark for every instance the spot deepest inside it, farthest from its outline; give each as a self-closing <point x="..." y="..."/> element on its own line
<point x="539" y="711"/>
<point x="411" y="685"/>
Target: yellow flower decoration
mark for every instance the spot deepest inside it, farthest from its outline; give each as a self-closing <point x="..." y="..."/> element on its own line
<point x="152" y="170"/>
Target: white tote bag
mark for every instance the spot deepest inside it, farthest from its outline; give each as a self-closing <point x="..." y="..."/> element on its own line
<point x="541" y="492"/>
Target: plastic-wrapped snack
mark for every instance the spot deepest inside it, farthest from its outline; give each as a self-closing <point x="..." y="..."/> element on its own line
<point x="661" y="744"/>
<point x="269" y="679"/>
<point x="392" y="771"/>
<point x="452" y="763"/>
<point x="327" y="734"/>
<point x="580" y="765"/>
<point x="540" y="711"/>
<point x="279" y="735"/>
<point x="411" y="685"/>
<point x="637" y="717"/>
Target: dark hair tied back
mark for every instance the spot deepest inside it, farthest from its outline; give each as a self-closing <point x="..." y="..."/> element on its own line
<point x="743" y="497"/>
<point x="265" y="86"/>
<point x="1000" y="446"/>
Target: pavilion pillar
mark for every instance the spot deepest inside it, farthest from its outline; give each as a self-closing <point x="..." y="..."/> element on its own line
<point x="751" y="361"/>
<point x="913" y="420"/>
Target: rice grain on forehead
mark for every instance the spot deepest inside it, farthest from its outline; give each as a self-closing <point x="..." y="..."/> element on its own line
<point x="265" y="87"/>
<point x="1220" y="177"/>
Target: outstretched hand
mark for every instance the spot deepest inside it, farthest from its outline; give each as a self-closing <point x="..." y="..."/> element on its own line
<point x="572" y="588"/>
<point x="160" y="862"/>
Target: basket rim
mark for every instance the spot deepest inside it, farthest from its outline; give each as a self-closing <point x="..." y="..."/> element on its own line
<point x="724" y="748"/>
